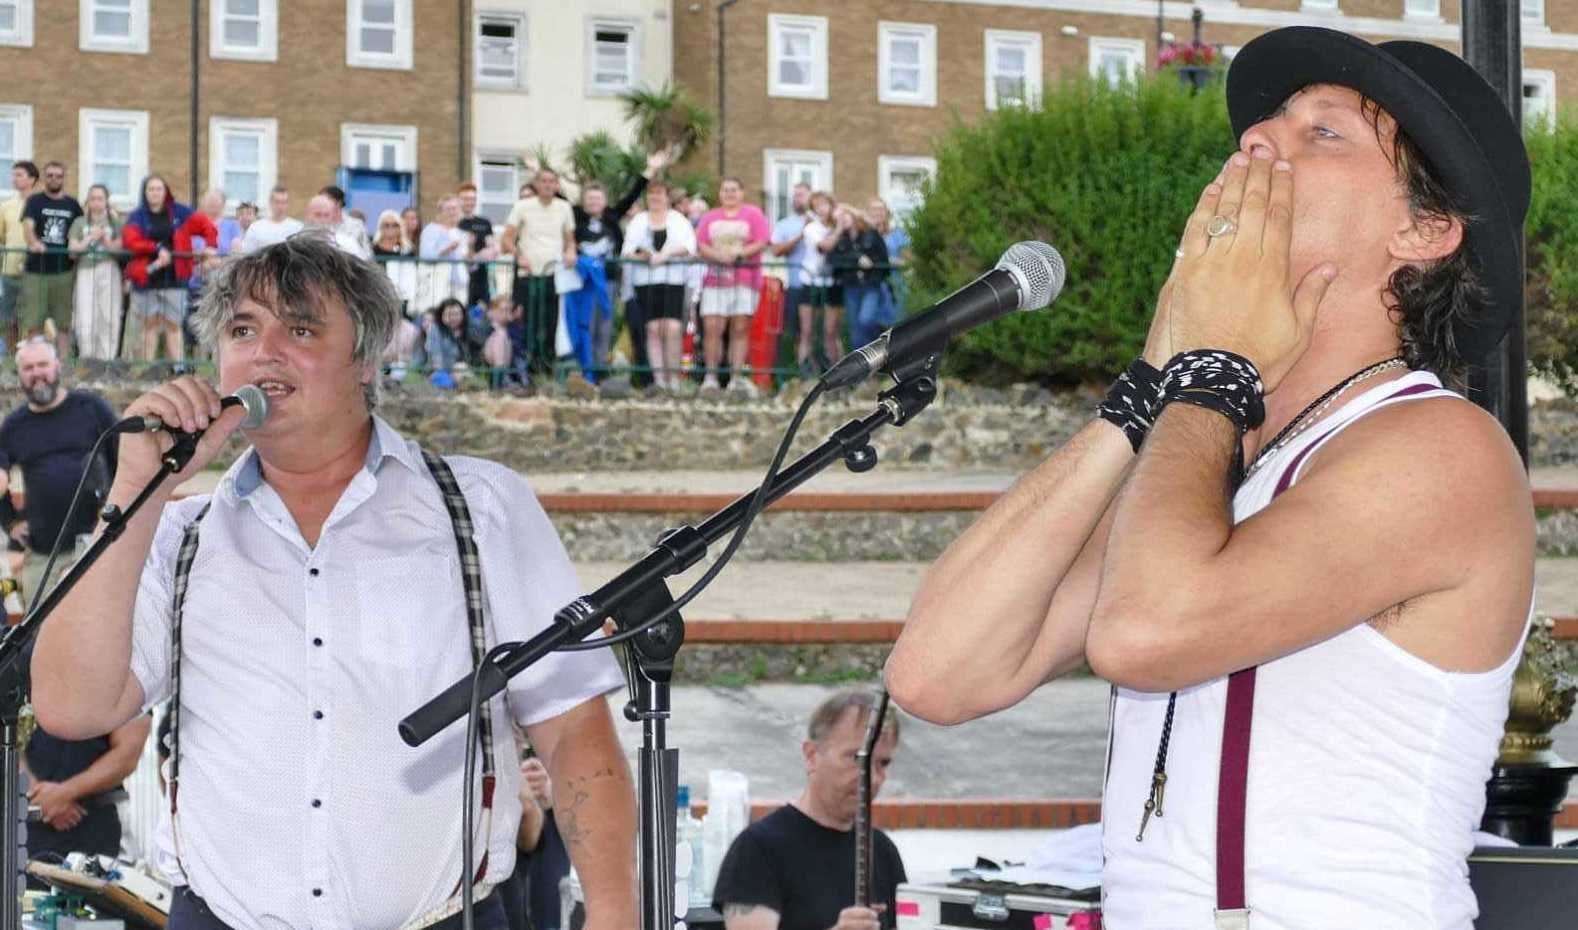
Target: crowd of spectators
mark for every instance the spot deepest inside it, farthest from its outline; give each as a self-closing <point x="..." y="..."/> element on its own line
<point x="543" y="294"/>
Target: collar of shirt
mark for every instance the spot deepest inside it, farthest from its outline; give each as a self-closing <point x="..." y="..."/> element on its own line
<point x="246" y="475"/>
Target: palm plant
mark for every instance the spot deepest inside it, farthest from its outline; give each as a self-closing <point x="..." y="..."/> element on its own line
<point x="596" y="156"/>
<point x="667" y="118"/>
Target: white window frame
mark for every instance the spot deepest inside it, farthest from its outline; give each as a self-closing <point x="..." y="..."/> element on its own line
<point x="888" y="164"/>
<point x="1425" y="10"/>
<point x="22" y="34"/>
<point x="1134" y="48"/>
<point x="268" y="154"/>
<point x="399" y="60"/>
<point x="495" y="159"/>
<point x="1544" y="78"/>
<point x="1031" y="42"/>
<point x="137" y="121"/>
<point x="135" y="44"/>
<point x="817" y="25"/>
<point x="22" y="115"/>
<point x="630" y="27"/>
<point x="514" y="18"/>
<point x="772" y="158"/>
<point x="406" y="136"/>
<point x="1319" y="6"/>
<point x="1533" y="12"/>
<point x="268" y="33"/>
<point x="926" y="35"/>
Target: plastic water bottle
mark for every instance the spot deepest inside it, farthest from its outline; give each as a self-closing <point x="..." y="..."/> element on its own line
<point x="684" y="858"/>
<point x="690" y="832"/>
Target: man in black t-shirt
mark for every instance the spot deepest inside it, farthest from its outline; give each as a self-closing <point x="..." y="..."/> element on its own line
<point x="46" y="276"/>
<point x="49" y="438"/>
<point x="483" y="247"/>
<point x="794" y="869"/>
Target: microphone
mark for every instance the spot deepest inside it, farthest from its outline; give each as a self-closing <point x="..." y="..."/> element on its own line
<point x="1028" y="277"/>
<point x="249" y="396"/>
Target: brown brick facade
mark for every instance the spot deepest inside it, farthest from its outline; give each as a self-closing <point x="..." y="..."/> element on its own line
<point x="857" y="129"/>
<point x="310" y="90"/>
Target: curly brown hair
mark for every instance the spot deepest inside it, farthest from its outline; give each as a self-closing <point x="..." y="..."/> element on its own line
<point x="1430" y="301"/>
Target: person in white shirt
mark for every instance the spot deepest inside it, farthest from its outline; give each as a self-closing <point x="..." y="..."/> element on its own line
<point x="349" y="231"/>
<point x="331" y="592"/>
<point x="663" y="239"/>
<point x="276" y="227"/>
<point x="443" y="248"/>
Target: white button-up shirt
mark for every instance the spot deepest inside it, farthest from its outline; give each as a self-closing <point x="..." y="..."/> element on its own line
<point x="300" y="806"/>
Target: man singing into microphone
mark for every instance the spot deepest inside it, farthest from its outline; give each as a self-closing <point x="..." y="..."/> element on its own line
<point x="337" y="578"/>
<point x="1305" y="565"/>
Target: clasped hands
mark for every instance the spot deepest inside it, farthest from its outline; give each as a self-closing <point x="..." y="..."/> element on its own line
<point x="1231" y="286"/>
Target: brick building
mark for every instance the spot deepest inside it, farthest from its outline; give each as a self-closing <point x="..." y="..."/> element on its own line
<point x="304" y="93"/>
<point x="850" y="94"/>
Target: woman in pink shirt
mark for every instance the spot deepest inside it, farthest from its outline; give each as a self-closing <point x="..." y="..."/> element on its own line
<point x="731" y="237"/>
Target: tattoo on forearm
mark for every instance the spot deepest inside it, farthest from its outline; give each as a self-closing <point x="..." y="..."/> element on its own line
<point x="577" y="791"/>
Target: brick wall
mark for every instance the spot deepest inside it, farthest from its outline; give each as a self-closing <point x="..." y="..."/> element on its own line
<point x="310" y="90"/>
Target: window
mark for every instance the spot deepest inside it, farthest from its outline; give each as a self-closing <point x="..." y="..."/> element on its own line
<point x="16" y="22"/>
<point x="907" y="64"/>
<point x="1422" y="9"/>
<point x="242" y="158"/>
<point x="501" y="39"/>
<point x="498" y="183"/>
<point x="1534" y="12"/>
<point x="244" y="29"/>
<point x="782" y="169"/>
<point x="1013" y="68"/>
<point x="797" y="56"/>
<point x="378" y="33"/>
<point x="610" y="56"/>
<point x="1320" y="6"/>
<point x="1539" y="98"/>
<point x="1117" y="60"/>
<point x="113" y="26"/>
<point x="113" y="151"/>
<point x="16" y="139"/>
<point x="379" y="148"/>
<point x="899" y="181"/>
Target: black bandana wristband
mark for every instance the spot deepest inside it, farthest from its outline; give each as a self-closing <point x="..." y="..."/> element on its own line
<point x="1133" y="401"/>
<point x="1216" y="380"/>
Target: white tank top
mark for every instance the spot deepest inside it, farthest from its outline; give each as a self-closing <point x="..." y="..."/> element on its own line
<point x="1367" y="770"/>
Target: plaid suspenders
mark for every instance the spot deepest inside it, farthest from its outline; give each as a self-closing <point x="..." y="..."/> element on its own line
<point x="471" y="578"/>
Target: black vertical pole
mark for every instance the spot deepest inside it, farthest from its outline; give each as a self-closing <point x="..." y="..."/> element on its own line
<point x="1493" y="44"/>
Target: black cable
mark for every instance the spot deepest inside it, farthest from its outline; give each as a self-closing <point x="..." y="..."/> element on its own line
<point x="468" y="851"/>
<point x="758" y="503"/>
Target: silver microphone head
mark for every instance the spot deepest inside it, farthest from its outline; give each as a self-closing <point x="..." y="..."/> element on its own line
<point x="1039" y="270"/>
<point x="256" y="404"/>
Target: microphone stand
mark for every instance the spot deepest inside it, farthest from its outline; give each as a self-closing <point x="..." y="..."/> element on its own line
<point x="639" y="593"/>
<point x="15" y="647"/>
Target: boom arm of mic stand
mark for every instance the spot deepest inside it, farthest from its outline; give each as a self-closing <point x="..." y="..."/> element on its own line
<point x="676" y="551"/>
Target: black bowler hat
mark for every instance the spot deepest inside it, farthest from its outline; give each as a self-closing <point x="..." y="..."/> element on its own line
<point x="1462" y="126"/>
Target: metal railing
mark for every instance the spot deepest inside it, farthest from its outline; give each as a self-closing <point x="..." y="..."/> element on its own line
<point x="792" y="331"/>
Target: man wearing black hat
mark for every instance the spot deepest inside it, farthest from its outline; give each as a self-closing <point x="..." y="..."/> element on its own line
<point x="1305" y="564"/>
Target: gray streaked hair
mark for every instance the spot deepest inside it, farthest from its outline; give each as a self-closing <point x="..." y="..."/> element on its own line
<point x="828" y="714"/>
<point x="299" y="280"/>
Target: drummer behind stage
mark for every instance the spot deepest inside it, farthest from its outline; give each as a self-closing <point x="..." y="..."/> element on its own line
<point x="319" y="594"/>
<point x="1293" y="490"/>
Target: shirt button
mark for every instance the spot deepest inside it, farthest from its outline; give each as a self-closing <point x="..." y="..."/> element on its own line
<point x="317" y="892"/>
<point x="316" y="802"/>
<point x="317" y="715"/>
<point x="317" y="640"/>
<point x="313" y="572"/>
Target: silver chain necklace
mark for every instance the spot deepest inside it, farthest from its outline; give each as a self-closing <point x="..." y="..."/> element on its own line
<point x="1309" y="415"/>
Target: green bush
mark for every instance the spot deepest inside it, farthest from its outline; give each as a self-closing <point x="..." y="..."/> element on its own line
<point x="1107" y="175"/>
<point x="1551" y="292"/>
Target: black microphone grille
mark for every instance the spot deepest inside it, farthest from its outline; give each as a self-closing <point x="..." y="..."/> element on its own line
<point x="1039" y="269"/>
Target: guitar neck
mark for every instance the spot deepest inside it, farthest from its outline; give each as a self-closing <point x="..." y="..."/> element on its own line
<point x="863" y="837"/>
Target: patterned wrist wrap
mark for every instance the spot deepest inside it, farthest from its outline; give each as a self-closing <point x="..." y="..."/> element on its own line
<point x="1133" y="401"/>
<point x="1216" y="380"/>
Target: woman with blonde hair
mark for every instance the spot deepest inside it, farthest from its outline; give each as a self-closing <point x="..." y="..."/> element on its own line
<point x="94" y="236"/>
<point x="393" y="249"/>
<point x="817" y="289"/>
<point x="860" y="263"/>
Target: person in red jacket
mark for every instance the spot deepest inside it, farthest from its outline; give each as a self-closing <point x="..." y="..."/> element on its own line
<point x="159" y="236"/>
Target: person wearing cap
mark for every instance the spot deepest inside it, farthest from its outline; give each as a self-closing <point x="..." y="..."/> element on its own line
<point x="1304" y="562"/>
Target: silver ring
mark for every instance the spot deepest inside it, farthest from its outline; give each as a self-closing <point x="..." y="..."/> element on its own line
<point x="1178" y="254"/>
<point x="1220" y="226"/>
